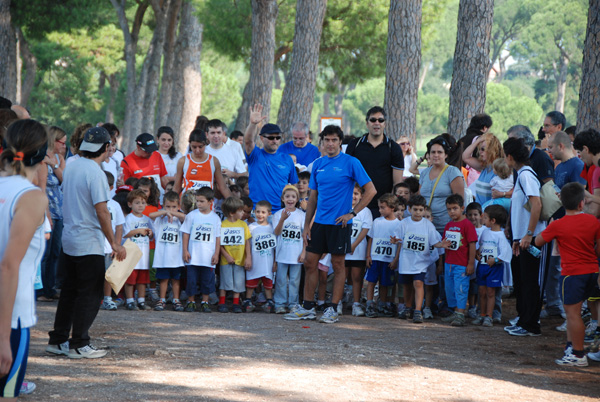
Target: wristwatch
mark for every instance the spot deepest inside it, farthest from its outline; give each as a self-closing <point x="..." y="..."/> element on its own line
<point x="529" y="233"/>
<point x="352" y="212"/>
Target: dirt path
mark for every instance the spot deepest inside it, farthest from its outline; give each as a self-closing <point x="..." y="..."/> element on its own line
<point x="168" y="356"/>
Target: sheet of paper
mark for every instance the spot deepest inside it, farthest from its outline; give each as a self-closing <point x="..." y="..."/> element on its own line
<point x="119" y="271"/>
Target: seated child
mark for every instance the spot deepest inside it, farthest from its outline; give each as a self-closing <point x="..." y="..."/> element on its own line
<point x="263" y="258"/>
<point x="382" y="255"/>
<point x="168" y="254"/>
<point x="138" y="227"/>
<point x="236" y="254"/>
<point x="501" y="182"/>
<point x="201" y="240"/>
<point x="579" y="251"/>
<point x="493" y="250"/>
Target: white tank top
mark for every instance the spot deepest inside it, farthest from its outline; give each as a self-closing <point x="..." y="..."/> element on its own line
<point x="11" y="190"/>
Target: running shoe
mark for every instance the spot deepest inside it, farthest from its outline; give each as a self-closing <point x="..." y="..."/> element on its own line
<point x="61" y="349"/>
<point x="301" y="313"/>
<point x="572" y="360"/>
<point x="427" y="314"/>
<point x="108" y="305"/>
<point x="330" y="316"/>
<point x="86" y="352"/>
<point x="357" y="310"/>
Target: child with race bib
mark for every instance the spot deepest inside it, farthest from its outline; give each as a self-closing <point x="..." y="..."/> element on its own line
<point x="289" y="224"/>
<point x="138" y="228"/>
<point x="416" y="236"/>
<point x="168" y="255"/>
<point x="236" y="254"/>
<point x="356" y="259"/>
<point x="201" y="241"/>
<point x="493" y="251"/>
<point x="382" y="255"/>
<point x="460" y="240"/>
<point x="263" y="257"/>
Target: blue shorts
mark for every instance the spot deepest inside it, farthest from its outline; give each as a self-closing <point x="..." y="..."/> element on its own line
<point x="408" y="279"/>
<point x="380" y="271"/>
<point x="169" y="273"/>
<point x="10" y="385"/>
<point x="577" y="288"/>
<point x="203" y="277"/>
<point x="490" y="277"/>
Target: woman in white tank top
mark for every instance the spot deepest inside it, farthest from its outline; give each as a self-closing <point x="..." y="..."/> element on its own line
<point x="22" y="243"/>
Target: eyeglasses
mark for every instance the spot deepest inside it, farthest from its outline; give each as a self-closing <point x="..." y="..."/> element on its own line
<point x="62" y="142"/>
<point x="373" y="120"/>
<point x="273" y="138"/>
<point x="405" y="143"/>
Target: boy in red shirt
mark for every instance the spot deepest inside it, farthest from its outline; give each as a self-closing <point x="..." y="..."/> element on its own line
<point x="579" y="251"/>
<point x="460" y="239"/>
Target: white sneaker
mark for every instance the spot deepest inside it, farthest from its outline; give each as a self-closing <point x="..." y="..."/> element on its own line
<point x="108" y="305"/>
<point x="300" y="313"/>
<point x="87" y="352"/>
<point x="62" y="349"/>
<point x="572" y="360"/>
<point x="357" y="310"/>
<point x="562" y="327"/>
<point x="340" y="308"/>
<point x="594" y="356"/>
<point x="427" y="314"/>
<point x="27" y="387"/>
<point x="329" y="316"/>
<point x="591" y="328"/>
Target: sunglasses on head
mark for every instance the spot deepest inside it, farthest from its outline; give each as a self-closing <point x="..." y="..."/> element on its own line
<point x="373" y="120"/>
<point x="272" y="138"/>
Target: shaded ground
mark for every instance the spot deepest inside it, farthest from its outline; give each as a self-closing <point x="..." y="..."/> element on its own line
<point x="169" y="356"/>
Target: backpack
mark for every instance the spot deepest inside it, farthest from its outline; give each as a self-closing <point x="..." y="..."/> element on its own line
<point x="548" y="196"/>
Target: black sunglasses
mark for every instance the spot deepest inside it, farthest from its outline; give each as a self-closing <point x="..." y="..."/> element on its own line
<point x="273" y="138"/>
<point x="373" y="120"/>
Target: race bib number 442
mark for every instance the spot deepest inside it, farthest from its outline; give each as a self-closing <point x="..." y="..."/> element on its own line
<point x="232" y="236"/>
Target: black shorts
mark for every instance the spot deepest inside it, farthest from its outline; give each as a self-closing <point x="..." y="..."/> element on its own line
<point x="333" y="239"/>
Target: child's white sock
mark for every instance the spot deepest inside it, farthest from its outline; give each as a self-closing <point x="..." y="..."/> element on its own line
<point x="107" y="298"/>
<point x="130" y="300"/>
<point x="141" y="300"/>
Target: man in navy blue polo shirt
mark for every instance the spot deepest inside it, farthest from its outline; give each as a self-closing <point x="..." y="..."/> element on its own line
<point x="332" y="184"/>
<point x="268" y="171"/>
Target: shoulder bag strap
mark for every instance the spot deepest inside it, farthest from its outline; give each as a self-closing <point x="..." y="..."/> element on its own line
<point x="435" y="185"/>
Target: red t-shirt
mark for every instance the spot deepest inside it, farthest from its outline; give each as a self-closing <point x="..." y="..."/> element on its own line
<point x="576" y="246"/>
<point x="588" y="173"/>
<point x="461" y="234"/>
<point x="135" y="166"/>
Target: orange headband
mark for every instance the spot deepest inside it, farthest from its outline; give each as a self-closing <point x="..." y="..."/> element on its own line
<point x="19" y="156"/>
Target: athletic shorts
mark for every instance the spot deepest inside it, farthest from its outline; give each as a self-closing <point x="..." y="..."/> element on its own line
<point x="577" y="288"/>
<point x="169" y="273"/>
<point x="204" y="277"/>
<point x="490" y="277"/>
<point x="253" y="283"/>
<point x="408" y="279"/>
<point x="233" y="277"/>
<point x="431" y="275"/>
<point x="138" y="277"/>
<point x="333" y="239"/>
<point x="10" y="384"/>
<point x="356" y="263"/>
<point x="380" y="271"/>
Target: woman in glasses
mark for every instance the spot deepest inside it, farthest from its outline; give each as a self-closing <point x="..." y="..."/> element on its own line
<point x="409" y="154"/>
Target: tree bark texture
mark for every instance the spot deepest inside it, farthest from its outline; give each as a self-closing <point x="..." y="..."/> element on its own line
<point x="298" y="94"/>
<point x="164" y="101"/>
<point x="264" y="16"/>
<point x="189" y="50"/>
<point x="113" y="81"/>
<point x="561" y="83"/>
<point x="8" y="54"/>
<point x="471" y="63"/>
<point x="402" y="68"/>
<point x="30" y="69"/>
<point x="588" y="111"/>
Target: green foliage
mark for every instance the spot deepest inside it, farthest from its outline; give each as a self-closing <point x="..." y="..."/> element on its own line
<point x="360" y="99"/>
<point x="507" y="110"/>
<point x="432" y="114"/>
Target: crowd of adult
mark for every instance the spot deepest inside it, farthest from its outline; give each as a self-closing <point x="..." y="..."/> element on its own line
<point x="478" y="167"/>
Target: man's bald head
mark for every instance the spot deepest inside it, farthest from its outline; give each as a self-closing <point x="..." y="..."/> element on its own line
<point x="21" y="112"/>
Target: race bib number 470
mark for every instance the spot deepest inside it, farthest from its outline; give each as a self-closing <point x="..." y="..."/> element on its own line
<point x="383" y="248"/>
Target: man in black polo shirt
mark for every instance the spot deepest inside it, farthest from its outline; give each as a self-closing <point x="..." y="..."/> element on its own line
<point x="380" y="156"/>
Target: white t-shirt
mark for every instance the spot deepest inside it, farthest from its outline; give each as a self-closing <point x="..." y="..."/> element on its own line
<point x="407" y="163"/>
<point x="171" y="164"/>
<point x="203" y="230"/>
<point x="228" y="157"/>
<point x="143" y="242"/>
<point x="519" y="216"/>
<point x="382" y="248"/>
<point x="494" y="244"/>
<point x="417" y="239"/>
<point x="289" y="242"/>
<point x="116" y="218"/>
<point x="503" y="185"/>
<point x="112" y="168"/>
<point x="263" y="251"/>
<point x="168" y="252"/>
<point x="363" y="220"/>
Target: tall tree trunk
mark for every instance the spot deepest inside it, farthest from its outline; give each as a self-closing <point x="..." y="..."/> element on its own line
<point x="471" y="63"/>
<point x="243" y="113"/>
<point x="338" y="99"/>
<point x="424" y="72"/>
<point x="298" y="94"/>
<point x="8" y="54"/>
<point x="264" y="16"/>
<point x="561" y="83"/>
<point x="113" y="82"/>
<point x="168" y="70"/>
<point x="326" y="98"/>
<point x="402" y="67"/>
<point x="192" y="75"/>
<point x="588" y="111"/>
